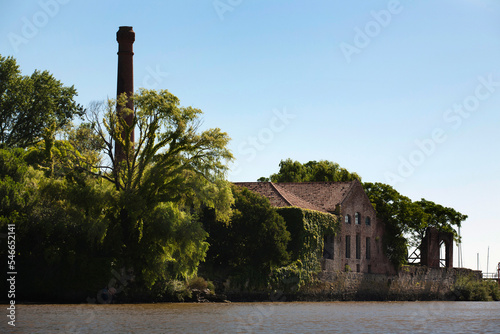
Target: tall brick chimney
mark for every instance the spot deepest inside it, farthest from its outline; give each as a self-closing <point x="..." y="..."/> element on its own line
<point x="125" y="38"/>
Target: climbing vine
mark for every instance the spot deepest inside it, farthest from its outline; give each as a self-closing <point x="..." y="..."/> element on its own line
<point x="307" y="229"/>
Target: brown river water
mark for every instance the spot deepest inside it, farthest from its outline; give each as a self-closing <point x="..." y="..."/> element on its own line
<point x="294" y="317"/>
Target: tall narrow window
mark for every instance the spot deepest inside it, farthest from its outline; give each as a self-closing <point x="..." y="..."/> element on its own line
<point x="332" y="246"/>
<point x="368" y="221"/>
<point x="347" y="219"/>
<point x="347" y="246"/>
<point x="328" y="247"/>
<point x="358" y="246"/>
<point x="368" y="250"/>
<point x="357" y="218"/>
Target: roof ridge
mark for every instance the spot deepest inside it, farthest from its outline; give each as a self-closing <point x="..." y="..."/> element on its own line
<point x="297" y="198"/>
<point x="351" y="187"/>
<point x="279" y="193"/>
<point x="312" y="182"/>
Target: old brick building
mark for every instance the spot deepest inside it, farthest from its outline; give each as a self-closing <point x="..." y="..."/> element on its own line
<point x="358" y="245"/>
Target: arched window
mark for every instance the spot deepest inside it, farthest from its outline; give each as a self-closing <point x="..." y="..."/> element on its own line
<point x="357" y="218"/>
<point x="368" y="221"/>
<point x="347" y="219"/>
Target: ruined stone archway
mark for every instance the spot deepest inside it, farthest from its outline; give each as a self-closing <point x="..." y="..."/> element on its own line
<point x="430" y="248"/>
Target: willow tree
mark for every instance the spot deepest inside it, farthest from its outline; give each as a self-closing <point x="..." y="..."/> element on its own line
<point x="170" y="171"/>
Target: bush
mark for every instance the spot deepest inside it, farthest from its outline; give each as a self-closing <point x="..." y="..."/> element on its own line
<point x="493" y="290"/>
<point x="177" y="291"/>
<point x="468" y="288"/>
<point x="199" y="283"/>
<point x="290" y="278"/>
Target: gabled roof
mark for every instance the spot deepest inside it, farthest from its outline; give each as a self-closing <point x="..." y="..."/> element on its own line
<point x="319" y="196"/>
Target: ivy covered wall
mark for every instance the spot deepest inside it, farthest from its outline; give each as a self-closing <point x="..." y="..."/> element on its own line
<point x="307" y="230"/>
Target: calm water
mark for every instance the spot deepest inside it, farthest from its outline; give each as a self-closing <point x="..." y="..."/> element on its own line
<point x="329" y="317"/>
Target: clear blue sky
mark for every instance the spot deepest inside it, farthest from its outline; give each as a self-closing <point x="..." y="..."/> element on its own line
<point x="401" y="92"/>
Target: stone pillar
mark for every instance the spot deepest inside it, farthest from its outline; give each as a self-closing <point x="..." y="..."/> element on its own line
<point x="125" y="38"/>
<point x="429" y="249"/>
<point x="447" y="238"/>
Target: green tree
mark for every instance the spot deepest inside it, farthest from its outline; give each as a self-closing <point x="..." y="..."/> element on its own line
<point x="29" y="105"/>
<point x="393" y="209"/>
<point x="77" y="213"/>
<point x="60" y="229"/>
<point x="290" y="171"/>
<point x="329" y="171"/>
<point x="406" y="221"/>
<point x="171" y="245"/>
<point x="312" y="171"/>
<point x="16" y="192"/>
<point x="87" y="143"/>
<point x="167" y="175"/>
<point x="444" y="219"/>
<point x="252" y="243"/>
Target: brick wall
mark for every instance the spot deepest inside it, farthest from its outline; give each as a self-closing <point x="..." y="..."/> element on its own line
<point x="357" y="202"/>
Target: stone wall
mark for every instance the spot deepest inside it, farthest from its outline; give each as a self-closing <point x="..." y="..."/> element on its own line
<point x="411" y="283"/>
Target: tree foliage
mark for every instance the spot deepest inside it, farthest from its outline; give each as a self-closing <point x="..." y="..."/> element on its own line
<point x="16" y="191"/>
<point x="444" y="219"/>
<point x="312" y="171"/>
<point x="308" y="229"/>
<point x="29" y="105"/>
<point x="69" y="234"/>
<point x="406" y="221"/>
<point x="252" y="243"/>
<point x="60" y="229"/>
<point x="171" y="160"/>
<point x="87" y="143"/>
<point x="170" y="173"/>
<point x="80" y="215"/>
<point x="394" y="210"/>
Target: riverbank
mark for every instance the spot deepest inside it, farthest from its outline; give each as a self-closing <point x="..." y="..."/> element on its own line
<point x="411" y="283"/>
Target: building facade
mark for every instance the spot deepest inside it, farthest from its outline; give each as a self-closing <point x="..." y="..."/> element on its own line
<point x="358" y="245"/>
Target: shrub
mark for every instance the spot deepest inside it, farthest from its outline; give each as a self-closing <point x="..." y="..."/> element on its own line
<point x="199" y="283"/>
<point x="290" y="278"/>
<point x="493" y="290"/>
<point x="468" y="288"/>
<point x="177" y="291"/>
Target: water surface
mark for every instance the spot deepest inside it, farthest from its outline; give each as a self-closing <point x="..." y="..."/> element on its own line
<point x="294" y="317"/>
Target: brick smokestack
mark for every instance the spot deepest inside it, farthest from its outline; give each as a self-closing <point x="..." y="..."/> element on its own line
<point x="125" y="38"/>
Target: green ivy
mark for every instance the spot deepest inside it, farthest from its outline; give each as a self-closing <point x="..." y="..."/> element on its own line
<point x="308" y="229"/>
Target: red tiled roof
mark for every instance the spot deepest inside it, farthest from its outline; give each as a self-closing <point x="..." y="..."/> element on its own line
<point x="319" y="196"/>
